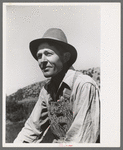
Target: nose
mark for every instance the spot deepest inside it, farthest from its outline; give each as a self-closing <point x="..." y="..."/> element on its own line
<point x="43" y="58"/>
<point x="43" y="61"/>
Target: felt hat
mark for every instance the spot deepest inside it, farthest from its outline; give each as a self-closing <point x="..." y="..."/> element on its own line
<point x="54" y="35"/>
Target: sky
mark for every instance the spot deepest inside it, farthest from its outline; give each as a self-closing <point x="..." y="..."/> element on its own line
<point x="24" y="23"/>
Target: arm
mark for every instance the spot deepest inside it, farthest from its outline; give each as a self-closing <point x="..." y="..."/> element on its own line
<point x="85" y="127"/>
<point x="36" y="125"/>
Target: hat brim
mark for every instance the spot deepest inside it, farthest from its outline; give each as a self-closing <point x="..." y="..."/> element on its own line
<point x="35" y="43"/>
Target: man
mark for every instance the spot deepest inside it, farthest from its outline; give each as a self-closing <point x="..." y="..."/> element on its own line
<point x="68" y="107"/>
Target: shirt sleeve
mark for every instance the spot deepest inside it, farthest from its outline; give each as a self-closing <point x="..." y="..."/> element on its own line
<point x="37" y="124"/>
<point x="86" y="112"/>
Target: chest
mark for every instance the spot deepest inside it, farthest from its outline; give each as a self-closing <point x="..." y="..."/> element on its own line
<point x="60" y="112"/>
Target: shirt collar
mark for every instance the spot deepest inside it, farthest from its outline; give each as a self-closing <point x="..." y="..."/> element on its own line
<point x="68" y="78"/>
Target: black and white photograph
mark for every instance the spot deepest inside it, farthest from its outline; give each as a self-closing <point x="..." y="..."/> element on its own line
<point x="57" y="91"/>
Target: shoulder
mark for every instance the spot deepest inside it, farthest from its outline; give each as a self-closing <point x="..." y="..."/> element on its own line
<point x="82" y="79"/>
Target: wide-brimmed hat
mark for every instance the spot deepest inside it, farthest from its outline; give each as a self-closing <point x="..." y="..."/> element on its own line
<point x="54" y="35"/>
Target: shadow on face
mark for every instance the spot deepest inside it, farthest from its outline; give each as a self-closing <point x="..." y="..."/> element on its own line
<point x="51" y="59"/>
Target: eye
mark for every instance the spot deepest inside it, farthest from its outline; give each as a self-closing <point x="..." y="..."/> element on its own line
<point x="39" y="56"/>
<point x="48" y="53"/>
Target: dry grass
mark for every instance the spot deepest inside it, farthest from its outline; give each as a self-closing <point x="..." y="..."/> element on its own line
<point x="12" y="129"/>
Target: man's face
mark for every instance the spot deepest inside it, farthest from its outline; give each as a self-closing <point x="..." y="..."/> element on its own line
<point x="49" y="59"/>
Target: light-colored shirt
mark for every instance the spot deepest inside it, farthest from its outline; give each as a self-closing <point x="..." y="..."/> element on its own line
<point x="84" y="104"/>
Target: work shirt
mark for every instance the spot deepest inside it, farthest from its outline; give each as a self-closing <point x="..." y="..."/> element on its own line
<point x="72" y="115"/>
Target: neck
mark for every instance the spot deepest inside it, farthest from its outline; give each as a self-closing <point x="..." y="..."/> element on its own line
<point x="58" y="78"/>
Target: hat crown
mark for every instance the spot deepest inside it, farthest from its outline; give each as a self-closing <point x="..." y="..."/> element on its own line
<point x="55" y="33"/>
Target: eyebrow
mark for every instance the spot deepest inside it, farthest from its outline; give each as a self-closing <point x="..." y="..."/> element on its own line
<point x="47" y="50"/>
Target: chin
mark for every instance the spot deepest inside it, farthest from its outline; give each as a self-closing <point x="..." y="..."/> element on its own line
<point x="47" y="75"/>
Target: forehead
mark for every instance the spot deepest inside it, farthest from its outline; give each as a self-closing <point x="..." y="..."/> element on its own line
<point x="50" y="46"/>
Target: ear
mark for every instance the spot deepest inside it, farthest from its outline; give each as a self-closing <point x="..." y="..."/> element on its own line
<point x="67" y="56"/>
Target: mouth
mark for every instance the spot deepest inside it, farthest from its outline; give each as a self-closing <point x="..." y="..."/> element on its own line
<point x="45" y="68"/>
